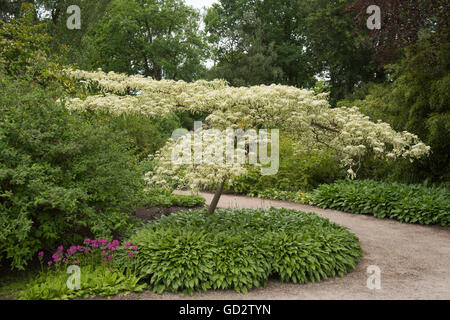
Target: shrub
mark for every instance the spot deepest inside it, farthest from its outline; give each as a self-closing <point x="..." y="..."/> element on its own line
<point x="274" y="194"/>
<point x="406" y="203"/>
<point x="147" y="134"/>
<point x="296" y="172"/>
<point x="61" y="176"/>
<point x="240" y="249"/>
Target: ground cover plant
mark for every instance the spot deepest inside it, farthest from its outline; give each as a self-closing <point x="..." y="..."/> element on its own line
<point x="241" y="249"/>
<point x="274" y="194"/>
<point x="406" y="203"/>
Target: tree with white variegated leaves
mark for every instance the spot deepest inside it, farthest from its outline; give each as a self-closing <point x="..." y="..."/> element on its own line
<point x="299" y="113"/>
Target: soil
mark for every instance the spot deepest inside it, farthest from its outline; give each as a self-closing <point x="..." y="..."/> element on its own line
<point x="414" y="261"/>
<point x="151" y="213"/>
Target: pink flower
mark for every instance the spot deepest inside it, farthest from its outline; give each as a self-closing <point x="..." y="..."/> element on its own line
<point x="50" y="263"/>
<point x="104" y="253"/>
<point x="77" y="261"/>
<point x="105" y="259"/>
<point x="115" y="243"/>
<point x="134" y="248"/>
<point x="127" y="244"/>
<point x="110" y="257"/>
<point x="55" y="256"/>
<point x="60" y="248"/>
<point x="40" y="254"/>
<point x="86" y="241"/>
<point x="131" y="254"/>
<point x="65" y="260"/>
<point x="80" y="248"/>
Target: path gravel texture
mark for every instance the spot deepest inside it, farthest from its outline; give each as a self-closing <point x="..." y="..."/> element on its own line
<point x="414" y="260"/>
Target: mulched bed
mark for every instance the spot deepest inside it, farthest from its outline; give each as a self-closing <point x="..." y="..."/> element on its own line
<point x="152" y="213"/>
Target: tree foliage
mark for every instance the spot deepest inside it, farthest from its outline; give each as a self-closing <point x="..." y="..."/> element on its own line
<point x="402" y="22"/>
<point x="159" y="39"/>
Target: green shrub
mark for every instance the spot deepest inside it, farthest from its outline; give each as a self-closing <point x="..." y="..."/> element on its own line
<point x="274" y="194"/>
<point x="406" y="203"/>
<point x="147" y="134"/>
<point x="241" y="249"/>
<point x="296" y="172"/>
<point x="61" y="176"/>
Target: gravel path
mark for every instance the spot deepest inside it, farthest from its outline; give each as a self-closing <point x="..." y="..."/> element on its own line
<point x="414" y="261"/>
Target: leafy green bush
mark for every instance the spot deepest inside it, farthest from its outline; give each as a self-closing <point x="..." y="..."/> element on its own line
<point x="406" y="203"/>
<point x="296" y="172"/>
<point x="61" y="176"/>
<point x="274" y="194"/>
<point x="241" y="249"/>
<point x="147" y="134"/>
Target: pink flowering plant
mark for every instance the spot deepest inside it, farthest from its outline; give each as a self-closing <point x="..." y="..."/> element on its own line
<point x="91" y="252"/>
<point x="100" y="273"/>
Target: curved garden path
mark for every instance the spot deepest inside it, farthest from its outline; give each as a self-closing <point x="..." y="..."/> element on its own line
<point x="414" y="260"/>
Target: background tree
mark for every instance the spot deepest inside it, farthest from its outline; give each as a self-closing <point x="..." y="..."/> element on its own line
<point x="402" y="22"/>
<point x="341" y="56"/>
<point x="160" y="39"/>
<point x="293" y="42"/>
<point x="253" y="32"/>
<point x="413" y="48"/>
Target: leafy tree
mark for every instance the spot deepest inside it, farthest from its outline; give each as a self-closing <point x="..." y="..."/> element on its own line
<point x="69" y="45"/>
<point x="413" y="45"/>
<point x="159" y="39"/>
<point x="62" y="175"/>
<point x="245" y="34"/>
<point x="292" y="41"/>
<point x="415" y="98"/>
<point x="340" y="55"/>
<point x="303" y="115"/>
<point x="11" y="8"/>
<point x="402" y="22"/>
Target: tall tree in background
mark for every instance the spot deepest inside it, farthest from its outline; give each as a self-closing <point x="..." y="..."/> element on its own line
<point x="11" y="8"/>
<point x="154" y="38"/>
<point x="402" y="22"/>
<point x="413" y="45"/>
<point x="68" y="44"/>
<point x="256" y="32"/>
<point x="338" y="53"/>
<point x="296" y="41"/>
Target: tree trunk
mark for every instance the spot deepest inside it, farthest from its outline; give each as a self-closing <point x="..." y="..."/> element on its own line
<point x="215" y="200"/>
